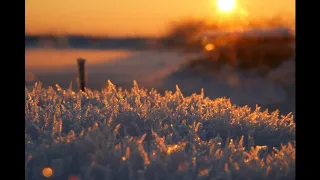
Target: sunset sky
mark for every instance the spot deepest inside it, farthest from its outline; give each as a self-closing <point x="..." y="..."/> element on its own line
<point x="131" y="17"/>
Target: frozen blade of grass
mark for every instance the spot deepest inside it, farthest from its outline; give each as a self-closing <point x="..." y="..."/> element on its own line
<point x="141" y="139"/>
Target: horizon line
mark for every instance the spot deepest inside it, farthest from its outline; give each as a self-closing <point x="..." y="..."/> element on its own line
<point x="92" y="36"/>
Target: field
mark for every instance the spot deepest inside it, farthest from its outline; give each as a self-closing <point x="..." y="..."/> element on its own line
<point x="141" y="134"/>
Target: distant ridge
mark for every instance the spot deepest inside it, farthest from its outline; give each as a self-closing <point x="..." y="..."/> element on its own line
<point x="86" y="42"/>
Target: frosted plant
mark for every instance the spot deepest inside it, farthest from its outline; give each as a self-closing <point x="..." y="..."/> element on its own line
<point x="141" y="134"/>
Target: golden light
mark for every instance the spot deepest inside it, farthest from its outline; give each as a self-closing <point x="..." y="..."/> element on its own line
<point x="226" y="5"/>
<point x="47" y="172"/>
<point x="124" y="158"/>
<point x="209" y="47"/>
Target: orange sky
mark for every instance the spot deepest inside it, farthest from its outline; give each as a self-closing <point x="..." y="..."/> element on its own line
<point x="130" y="17"/>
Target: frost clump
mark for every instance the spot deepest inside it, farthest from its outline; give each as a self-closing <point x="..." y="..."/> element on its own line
<point x="141" y="134"/>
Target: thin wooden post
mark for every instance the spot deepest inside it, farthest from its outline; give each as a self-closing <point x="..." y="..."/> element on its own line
<point x="82" y="72"/>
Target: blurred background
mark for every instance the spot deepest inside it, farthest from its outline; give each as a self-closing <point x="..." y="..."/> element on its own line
<point x="240" y="49"/>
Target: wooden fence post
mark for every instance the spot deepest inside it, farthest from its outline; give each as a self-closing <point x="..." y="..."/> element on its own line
<point x="82" y="73"/>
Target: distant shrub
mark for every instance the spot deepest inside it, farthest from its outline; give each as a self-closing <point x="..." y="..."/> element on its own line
<point x="245" y="56"/>
<point x="140" y="134"/>
<point x="182" y="32"/>
<point x="244" y="53"/>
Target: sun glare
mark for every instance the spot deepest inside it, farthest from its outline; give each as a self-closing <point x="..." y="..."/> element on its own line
<point x="209" y="47"/>
<point x="226" y="5"/>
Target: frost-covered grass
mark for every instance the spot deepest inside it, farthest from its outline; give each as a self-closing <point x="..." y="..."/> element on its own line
<point x="140" y="134"/>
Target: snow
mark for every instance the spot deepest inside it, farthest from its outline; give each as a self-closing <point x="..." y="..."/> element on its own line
<point x="284" y="74"/>
<point x="241" y="88"/>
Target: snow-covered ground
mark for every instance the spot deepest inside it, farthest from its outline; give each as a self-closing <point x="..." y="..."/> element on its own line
<point x="160" y="70"/>
<point x="122" y="67"/>
<point x="275" y="90"/>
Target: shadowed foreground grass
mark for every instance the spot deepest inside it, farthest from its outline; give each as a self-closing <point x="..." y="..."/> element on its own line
<point x="140" y="134"/>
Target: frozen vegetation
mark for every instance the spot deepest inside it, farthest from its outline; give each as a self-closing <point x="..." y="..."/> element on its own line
<point x="143" y="135"/>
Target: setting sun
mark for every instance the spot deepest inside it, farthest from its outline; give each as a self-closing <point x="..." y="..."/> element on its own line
<point x="226" y="5"/>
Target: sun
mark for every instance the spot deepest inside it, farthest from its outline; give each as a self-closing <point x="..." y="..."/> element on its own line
<point x="226" y="5"/>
